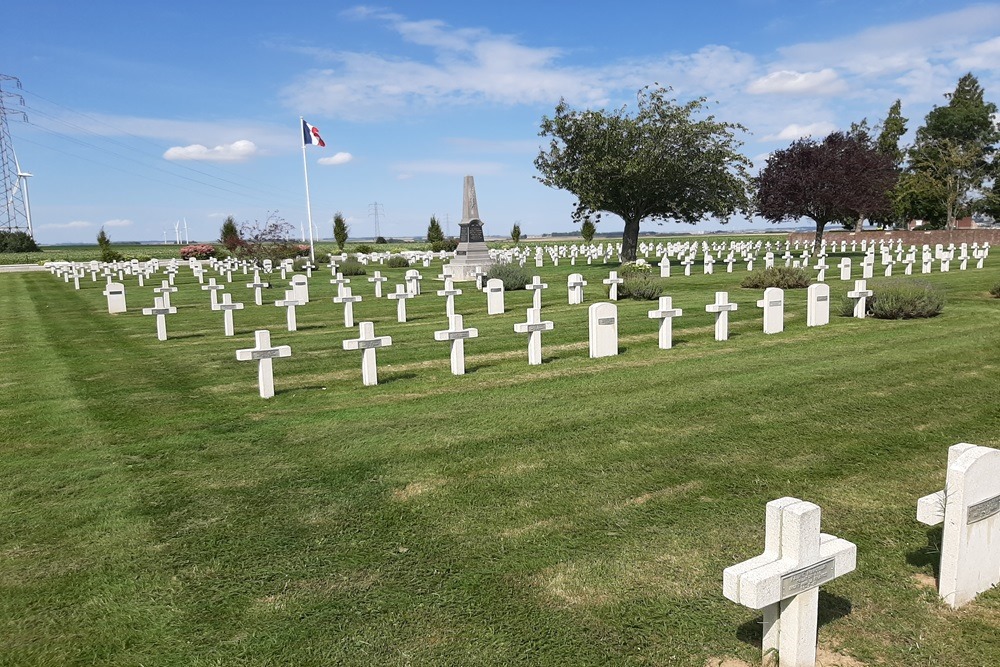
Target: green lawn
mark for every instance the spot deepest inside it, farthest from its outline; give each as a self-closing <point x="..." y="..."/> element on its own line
<point x="156" y="511"/>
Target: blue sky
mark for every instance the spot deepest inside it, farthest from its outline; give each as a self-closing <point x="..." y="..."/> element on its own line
<point x="146" y="113"/>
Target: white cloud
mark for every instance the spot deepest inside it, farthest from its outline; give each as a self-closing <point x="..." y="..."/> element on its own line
<point x="795" y="131"/>
<point x="238" y="151"/>
<point x="118" y="222"/>
<point x="823" y="82"/>
<point x="337" y="158"/>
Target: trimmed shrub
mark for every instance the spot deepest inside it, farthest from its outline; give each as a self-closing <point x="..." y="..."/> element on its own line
<point x="899" y="300"/>
<point x="447" y="245"/>
<point x="637" y="268"/>
<point x="198" y="251"/>
<point x="352" y="267"/>
<point x="785" y="277"/>
<point x="995" y="291"/>
<point x="514" y="276"/>
<point x="398" y="262"/>
<point x="640" y="286"/>
<point x="364" y="249"/>
<point x="380" y="241"/>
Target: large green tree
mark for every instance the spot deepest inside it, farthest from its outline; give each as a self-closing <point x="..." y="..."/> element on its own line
<point x="434" y="232"/>
<point x="340" y="230"/>
<point x="666" y="161"/>
<point x="951" y="163"/>
<point x="840" y="178"/>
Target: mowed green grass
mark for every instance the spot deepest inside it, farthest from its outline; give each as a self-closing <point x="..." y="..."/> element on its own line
<point x="156" y="511"/>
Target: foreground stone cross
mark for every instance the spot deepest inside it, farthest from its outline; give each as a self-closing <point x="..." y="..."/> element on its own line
<point x="970" y="509"/>
<point x="457" y="334"/>
<point x="784" y="581"/>
<point x="161" y="311"/>
<point x="721" y="308"/>
<point x="263" y="353"/>
<point x="368" y="342"/>
<point x="116" y="297"/>
<point x="860" y="295"/>
<point x="603" y="324"/>
<point x="378" y="279"/>
<point x="212" y="290"/>
<point x="227" y="307"/>
<point x="665" y="313"/>
<point x="773" y="304"/>
<point x="534" y="328"/>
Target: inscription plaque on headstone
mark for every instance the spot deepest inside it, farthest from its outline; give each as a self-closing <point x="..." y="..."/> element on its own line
<point x="984" y="510"/>
<point x="805" y="578"/>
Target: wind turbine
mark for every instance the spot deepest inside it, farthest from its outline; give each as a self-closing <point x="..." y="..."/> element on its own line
<point x="177" y="233"/>
<point x="187" y="237"/>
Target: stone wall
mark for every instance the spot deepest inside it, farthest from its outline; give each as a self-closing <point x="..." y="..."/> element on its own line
<point x="917" y="238"/>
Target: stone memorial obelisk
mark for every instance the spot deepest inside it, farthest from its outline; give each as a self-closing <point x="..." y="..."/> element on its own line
<point x="471" y="251"/>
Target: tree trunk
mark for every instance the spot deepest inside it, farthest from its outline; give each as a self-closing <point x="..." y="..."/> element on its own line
<point x="819" y="233"/>
<point x="630" y="240"/>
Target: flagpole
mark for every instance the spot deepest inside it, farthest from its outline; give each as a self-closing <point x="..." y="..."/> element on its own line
<point x="309" y="215"/>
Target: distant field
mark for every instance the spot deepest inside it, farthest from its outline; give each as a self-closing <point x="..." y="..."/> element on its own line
<point x="156" y="511"/>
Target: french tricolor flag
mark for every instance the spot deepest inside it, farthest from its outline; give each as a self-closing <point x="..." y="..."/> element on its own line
<point x="310" y="135"/>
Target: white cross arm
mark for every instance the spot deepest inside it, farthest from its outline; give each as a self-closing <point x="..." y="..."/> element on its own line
<point x="358" y="344"/>
<point x="660" y="314"/>
<point x="284" y="303"/>
<point x="271" y="353"/>
<point x="528" y="327"/>
<point x="930" y="508"/>
<point x="768" y="579"/>
<point x="456" y="335"/>
<point x="346" y="299"/>
<point x="172" y="310"/>
<point x="720" y="307"/>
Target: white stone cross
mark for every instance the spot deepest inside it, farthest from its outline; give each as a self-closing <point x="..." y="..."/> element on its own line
<point x="479" y="274"/>
<point x="773" y="304"/>
<point x="818" y="305"/>
<point x="400" y="295"/>
<point x="821" y="268"/>
<point x="969" y="506"/>
<point x="450" y="292"/>
<point x="860" y="294"/>
<point x="575" y="284"/>
<point x="289" y="302"/>
<point x="721" y="308"/>
<point x="116" y="297"/>
<point x="164" y="290"/>
<point x="378" y="279"/>
<point x="687" y="262"/>
<point x="603" y="325"/>
<point x="227" y="307"/>
<point x="457" y="334"/>
<point x="494" y="297"/>
<point x="340" y="281"/>
<point x="709" y="262"/>
<point x="161" y="311"/>
<point x="212" y="288"/>
<point x="413" y="279"/>
<point x="536" y="286"/>
<point x="257" y="286"/>
<point x="263" y="353"/>
<point x="534" y="328"/>
<point x="613" y="281"/>
<point x="348" y="300"/>
<point x="368" y="342"/>
<point x="784" y="581"/>
<point x="665" y="313"/>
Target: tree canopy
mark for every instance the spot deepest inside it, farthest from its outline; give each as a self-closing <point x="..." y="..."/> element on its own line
<point x="340" y="230"/>
<point x="840" y="178"/>
<point x="667" y="161"/>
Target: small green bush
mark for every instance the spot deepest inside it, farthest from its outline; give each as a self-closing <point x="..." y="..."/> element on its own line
<point x="785" y="277"/>
<point x="364" y="249"/>
<point x="352" y="267"/>
<point x="995" y="291"/>
<point x="899" y="300"/>
<point x="514" y="276"/>
<point x="398" y="262"/>
<point x="641" y="287"/>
